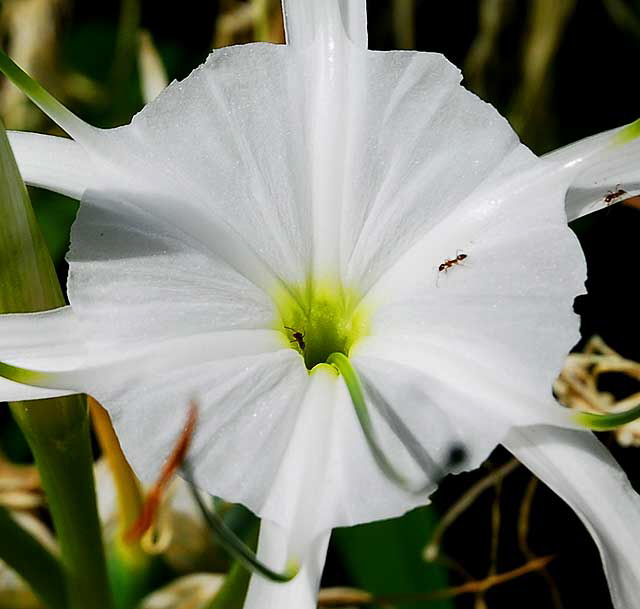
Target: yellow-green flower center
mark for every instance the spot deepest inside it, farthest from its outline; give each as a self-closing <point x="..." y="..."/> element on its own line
<point x="321" y="318"/>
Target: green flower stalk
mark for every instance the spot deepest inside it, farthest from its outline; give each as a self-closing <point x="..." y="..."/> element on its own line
<point x="56" y="429"/>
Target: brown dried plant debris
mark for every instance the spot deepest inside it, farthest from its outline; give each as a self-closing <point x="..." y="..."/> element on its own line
<point x="19" y="486"/>
<point x="577" y="386"/>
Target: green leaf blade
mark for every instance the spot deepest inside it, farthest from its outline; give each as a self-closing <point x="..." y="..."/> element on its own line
<point x="57" y="430"/>
<point x="385" y="559"/>
<point x="27" y="556"/>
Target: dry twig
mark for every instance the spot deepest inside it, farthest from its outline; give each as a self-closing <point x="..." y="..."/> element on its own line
<point x="341" y="597"/>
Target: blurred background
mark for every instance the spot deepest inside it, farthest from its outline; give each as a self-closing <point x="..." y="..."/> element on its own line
<point x="559" y="70"/>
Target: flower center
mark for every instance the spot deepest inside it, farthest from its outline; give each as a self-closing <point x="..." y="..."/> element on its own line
<point x="321" y="318"/>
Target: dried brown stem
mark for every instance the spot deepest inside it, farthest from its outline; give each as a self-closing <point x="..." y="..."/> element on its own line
<point x="341" y="597"/>
<point x="433" y="548"/>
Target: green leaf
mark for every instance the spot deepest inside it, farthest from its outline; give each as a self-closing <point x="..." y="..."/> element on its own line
<point x="28" y="280"/>
<point x="385" y="558"/>
<point x="57" y="430"/>
<point x="27" y="556"/>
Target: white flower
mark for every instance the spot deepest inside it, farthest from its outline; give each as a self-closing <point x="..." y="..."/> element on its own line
<point x="301" y="198"/>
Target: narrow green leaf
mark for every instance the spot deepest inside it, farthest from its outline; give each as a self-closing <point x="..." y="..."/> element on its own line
<point x="57" y="430"/>
<point x="28" y="280"/>
<point x="27" y="556"/>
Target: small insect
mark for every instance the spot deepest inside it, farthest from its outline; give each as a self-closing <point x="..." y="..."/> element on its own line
<point x="298" y="337"/>
<point x="447" y="264"/>
<point x="612" y="197"/>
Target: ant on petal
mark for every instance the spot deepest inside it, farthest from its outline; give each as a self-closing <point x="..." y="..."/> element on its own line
<point x="450" y="263"/>
<point x="298" y="337"/>
<point x="611" y="196"/>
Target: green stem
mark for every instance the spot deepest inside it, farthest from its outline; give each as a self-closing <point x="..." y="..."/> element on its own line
<point x="236" y="548"/>
<point x="132" y="580"/>
<point x="57" y="430"/>
<point x="352" y="381"/>
<point x="234" y="589"/>
<point x="607" y="422"/>
<point x="27" y="556"/>
<point x="54" y="109"/>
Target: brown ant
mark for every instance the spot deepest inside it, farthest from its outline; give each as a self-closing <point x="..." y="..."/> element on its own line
<point x="449" y="264"/>
<point x="298" y="337"/>
<point x="612" y="197"/>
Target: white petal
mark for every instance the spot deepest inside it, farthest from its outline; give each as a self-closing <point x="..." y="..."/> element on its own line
<point x="52" y="350"/>
<point x="302" y="592"/>
<point x="107" y="368"/>
<point x="269" y="436"/>
<point x="420" y="146"/>
<point x="247" y="407"/>
<point x="55" y="163"/>
<point x="48" y="339"/>
<point x="597" y="166"/>
<point x="577" y="467"/>
<point x="520" y="197"/>
<point x="502" y="394"/>
<point x="11" y="391"/>
<point x="509" y="302"/>
<point x="447" y="400"/>
<point x="278" y="160"/>
<point x="297" y="496"/>
<point x="354" y="17"/>
<point x="442" y="414"/>
<point x="222" y="157"/>
<point x="503" y="316"/>
<point x="304" y="18"/>
<point x="136" y="278"/>
<point x="326" y="449"/>
<point x="326" y="478"/>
